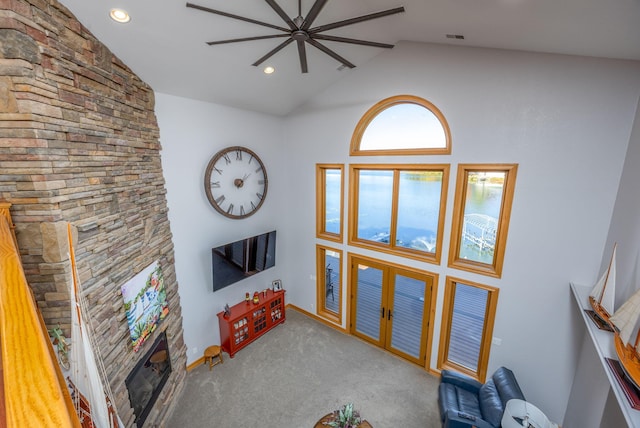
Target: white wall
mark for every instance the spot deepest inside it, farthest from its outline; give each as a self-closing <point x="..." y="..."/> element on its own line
<point x="565" y="120"/>
<point x="625" y="224"/>
<point x="592" y="402"/>
<point x="191" y="132"/>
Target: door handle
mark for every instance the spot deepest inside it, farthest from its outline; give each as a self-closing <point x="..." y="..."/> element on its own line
<point x="389" y="315"/>
<point x="382" y="313"/>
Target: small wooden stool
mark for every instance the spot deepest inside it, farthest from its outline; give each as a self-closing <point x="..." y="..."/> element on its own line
<point x="210" y="353"/>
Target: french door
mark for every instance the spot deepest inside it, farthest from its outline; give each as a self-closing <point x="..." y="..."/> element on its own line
<point x="390" y="306"/>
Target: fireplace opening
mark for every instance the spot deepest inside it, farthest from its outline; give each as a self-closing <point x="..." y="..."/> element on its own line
<point x="147" y="378"/>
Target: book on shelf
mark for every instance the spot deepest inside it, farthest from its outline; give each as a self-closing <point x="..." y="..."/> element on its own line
<point x="599" y="322"/>
<point x="629" y="389"/>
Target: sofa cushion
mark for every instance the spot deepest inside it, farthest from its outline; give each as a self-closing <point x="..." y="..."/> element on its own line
<point x="457" y="399"/>
<point x="460" y="380"/>
<point x="507" y="385"/>
<point x="447" y="398"/>
<point x="490" y="403"/>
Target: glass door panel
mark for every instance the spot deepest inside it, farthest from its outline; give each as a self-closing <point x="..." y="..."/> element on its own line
<point x="407" y="315"/>
<point x="368" y="302"/>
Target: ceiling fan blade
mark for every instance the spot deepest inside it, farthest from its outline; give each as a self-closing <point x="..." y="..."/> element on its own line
<point x="246" y="39"/>
<point x="272" y="52"/>
<point x="240" y="18"/>
<point x="313" y="14"/>
<point x="331" y="53"/>
<point x="302" y="53"/>
<point x="352" y="41"/>
<point x="282" y="14"/>
<point x="357" y="20"/>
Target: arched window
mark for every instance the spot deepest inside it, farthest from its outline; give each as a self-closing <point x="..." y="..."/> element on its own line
<point x="402" y="125"/>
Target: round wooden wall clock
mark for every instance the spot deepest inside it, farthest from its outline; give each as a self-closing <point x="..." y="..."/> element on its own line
<point x="236" y="182"/>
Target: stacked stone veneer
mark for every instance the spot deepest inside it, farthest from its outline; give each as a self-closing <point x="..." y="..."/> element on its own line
<point x="79" y="143"/>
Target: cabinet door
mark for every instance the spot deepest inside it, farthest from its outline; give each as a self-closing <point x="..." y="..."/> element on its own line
<point x="275" y="310"/>
<point x="239" y="331"/>
<point x="258" y="320"/>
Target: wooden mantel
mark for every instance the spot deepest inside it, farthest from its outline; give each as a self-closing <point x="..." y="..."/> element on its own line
<point x="34" y="391"/>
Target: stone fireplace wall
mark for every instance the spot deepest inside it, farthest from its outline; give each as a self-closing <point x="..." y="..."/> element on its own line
<point x="79" y="143"/>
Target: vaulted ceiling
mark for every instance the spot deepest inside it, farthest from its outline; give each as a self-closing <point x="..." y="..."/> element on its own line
<point x="165" y="41"/>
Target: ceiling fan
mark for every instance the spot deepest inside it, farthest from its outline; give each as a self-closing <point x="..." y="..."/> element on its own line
<point x="301" y="32"/>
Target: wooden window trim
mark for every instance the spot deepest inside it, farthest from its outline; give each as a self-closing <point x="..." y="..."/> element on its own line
<point x="321" y="229"/>
<point x="494" y="269"/>
<point x="371" y="114"/>
<point x="391" y="248"/>
<point x="487" y="331"/>
<point x="321" y="284"/>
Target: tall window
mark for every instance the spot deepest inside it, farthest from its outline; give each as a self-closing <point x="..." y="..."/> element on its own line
<point x="329" y="283"/>
<point x="329" y="197"/>
<point x="482" y="208"/>
<point x="467" y="327"/>
<point x="402" y="125"/>
<point x="399" y="209"/>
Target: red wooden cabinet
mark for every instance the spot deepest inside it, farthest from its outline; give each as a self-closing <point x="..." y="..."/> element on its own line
<point x="249" y="321"/>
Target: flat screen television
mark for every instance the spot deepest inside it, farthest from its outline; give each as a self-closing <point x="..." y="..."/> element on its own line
<point x="238" y="260"/>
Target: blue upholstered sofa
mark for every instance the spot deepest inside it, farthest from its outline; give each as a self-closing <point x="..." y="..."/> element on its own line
<point x="465" y="402"/>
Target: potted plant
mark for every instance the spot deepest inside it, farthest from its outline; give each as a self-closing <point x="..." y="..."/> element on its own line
<point x="345" y="417"/>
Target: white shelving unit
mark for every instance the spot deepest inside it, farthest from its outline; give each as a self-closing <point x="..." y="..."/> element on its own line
<point x="603" y="342"/>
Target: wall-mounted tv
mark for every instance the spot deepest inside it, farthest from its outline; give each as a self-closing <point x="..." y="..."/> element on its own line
<point x="238" y="260"/>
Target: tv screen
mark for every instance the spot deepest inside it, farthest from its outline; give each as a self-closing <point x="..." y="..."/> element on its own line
<point x="238" y="260"/>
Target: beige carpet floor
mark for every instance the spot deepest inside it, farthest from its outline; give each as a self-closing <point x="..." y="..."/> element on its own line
<point x="300" y="371"/>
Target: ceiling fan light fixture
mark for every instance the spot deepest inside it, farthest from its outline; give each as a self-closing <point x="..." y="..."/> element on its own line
<point x="120" y="15"/>
<point x="269" y="70"/>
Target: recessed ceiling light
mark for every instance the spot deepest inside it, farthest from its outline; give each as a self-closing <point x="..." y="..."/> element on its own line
<point x="119" y="15"/>
<point x="269" y="70"/>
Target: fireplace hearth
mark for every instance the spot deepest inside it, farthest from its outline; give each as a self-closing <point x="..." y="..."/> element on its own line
<point x="146" y="380"/>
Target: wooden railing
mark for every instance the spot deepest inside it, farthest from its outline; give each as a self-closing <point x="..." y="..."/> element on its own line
<point x="34" y="390"/>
